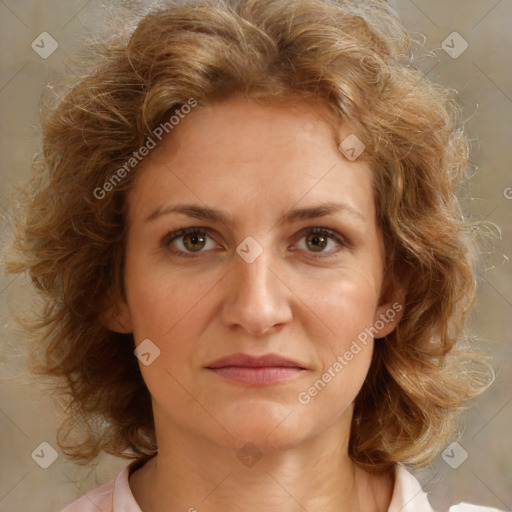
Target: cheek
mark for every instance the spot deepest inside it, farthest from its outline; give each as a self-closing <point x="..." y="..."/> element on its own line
<point x="344" y="304"/>
<point x="344" y="343"/>
<point x="163" y="300"/>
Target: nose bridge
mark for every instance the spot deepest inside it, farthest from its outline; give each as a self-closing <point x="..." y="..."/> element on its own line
<point x="256" y="299"/>
<point x="255" y="279"/>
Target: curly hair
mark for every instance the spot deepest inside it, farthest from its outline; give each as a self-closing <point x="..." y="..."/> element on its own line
<point x="355" y="57"/>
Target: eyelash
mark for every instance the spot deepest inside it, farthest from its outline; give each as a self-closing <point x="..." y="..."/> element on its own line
<point x="166" y="242"/>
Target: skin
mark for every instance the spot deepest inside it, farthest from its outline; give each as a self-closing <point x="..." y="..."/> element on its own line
<point x="255" y="163"/>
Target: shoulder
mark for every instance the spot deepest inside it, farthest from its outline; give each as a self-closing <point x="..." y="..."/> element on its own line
<point x="466" y="507"/>
<point x="114" y="496"/>
<point x="98" y="499"/>
<point x="408" y="496"/>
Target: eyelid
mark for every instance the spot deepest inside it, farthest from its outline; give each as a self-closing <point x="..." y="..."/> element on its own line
<point x="166" y="241"/>
<point x="324" y="230"/>
<point x="328" y="232"/>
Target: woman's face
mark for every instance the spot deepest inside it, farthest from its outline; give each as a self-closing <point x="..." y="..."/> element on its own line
<point x="281" y="257"/>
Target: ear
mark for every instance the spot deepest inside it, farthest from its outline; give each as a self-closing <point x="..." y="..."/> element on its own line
<point x="389" y="312"/>
<point x="117" y="317"/>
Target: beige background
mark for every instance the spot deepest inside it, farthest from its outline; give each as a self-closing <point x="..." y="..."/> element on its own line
<point x="483" y="78"/>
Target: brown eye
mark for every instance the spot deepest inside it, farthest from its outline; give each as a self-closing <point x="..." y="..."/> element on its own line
<point x="194" y="242"/>
<point x="316" y="242"/>
<point x="189" y="242"/>
<point x="323" y="241"/>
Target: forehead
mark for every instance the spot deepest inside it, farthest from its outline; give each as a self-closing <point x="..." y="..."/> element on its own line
<point x="243" y="154"/>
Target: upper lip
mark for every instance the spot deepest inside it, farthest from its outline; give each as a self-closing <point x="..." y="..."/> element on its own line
<point x="246" y="360"/>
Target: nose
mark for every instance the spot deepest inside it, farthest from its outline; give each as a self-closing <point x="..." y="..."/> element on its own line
<point x="256" y="300"/>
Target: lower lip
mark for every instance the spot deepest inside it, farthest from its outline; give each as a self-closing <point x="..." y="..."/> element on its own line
<point x="260" y="376"/>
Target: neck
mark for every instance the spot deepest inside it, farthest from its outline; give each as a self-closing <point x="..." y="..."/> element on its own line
<point x="316" y="475"/>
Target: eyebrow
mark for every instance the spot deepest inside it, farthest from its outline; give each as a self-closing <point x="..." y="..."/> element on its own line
<point x="297" y="214"/>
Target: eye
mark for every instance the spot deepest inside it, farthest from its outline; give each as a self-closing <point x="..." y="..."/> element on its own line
<point x="191" y="242"/>
<point x="321" y="240"/>
<point x="188" y="242"/>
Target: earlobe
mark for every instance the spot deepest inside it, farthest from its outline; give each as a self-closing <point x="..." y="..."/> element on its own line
<point x="388" y="314"/>
<point x="117" y="317"/>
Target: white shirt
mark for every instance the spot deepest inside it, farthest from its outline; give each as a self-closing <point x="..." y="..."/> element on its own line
<point x="116" y="496"/>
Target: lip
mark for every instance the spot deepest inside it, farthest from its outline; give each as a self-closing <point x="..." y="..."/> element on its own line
<point x="248" y="361"/>
<point x="263" y="370"/>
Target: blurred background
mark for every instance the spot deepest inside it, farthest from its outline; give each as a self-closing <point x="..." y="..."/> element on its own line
<point x="471" y="47"/>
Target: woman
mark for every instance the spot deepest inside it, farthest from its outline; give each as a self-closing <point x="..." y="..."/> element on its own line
<point x="254" y="271"/>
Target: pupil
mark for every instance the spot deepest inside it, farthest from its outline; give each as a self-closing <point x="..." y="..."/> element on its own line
<point x="192" y="242"/>
<point x="318" y="242"/>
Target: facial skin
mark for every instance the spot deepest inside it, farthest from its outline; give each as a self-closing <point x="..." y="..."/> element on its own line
<point x="254" y="164"/>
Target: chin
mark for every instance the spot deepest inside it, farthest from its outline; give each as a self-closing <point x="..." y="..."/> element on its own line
<point x="270" y="426"/>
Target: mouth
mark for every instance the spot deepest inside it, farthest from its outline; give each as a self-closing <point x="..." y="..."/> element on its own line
<point x="263" y="370"/>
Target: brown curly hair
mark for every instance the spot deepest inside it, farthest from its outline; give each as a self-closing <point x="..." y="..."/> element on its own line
<point x="355" y="58"/>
